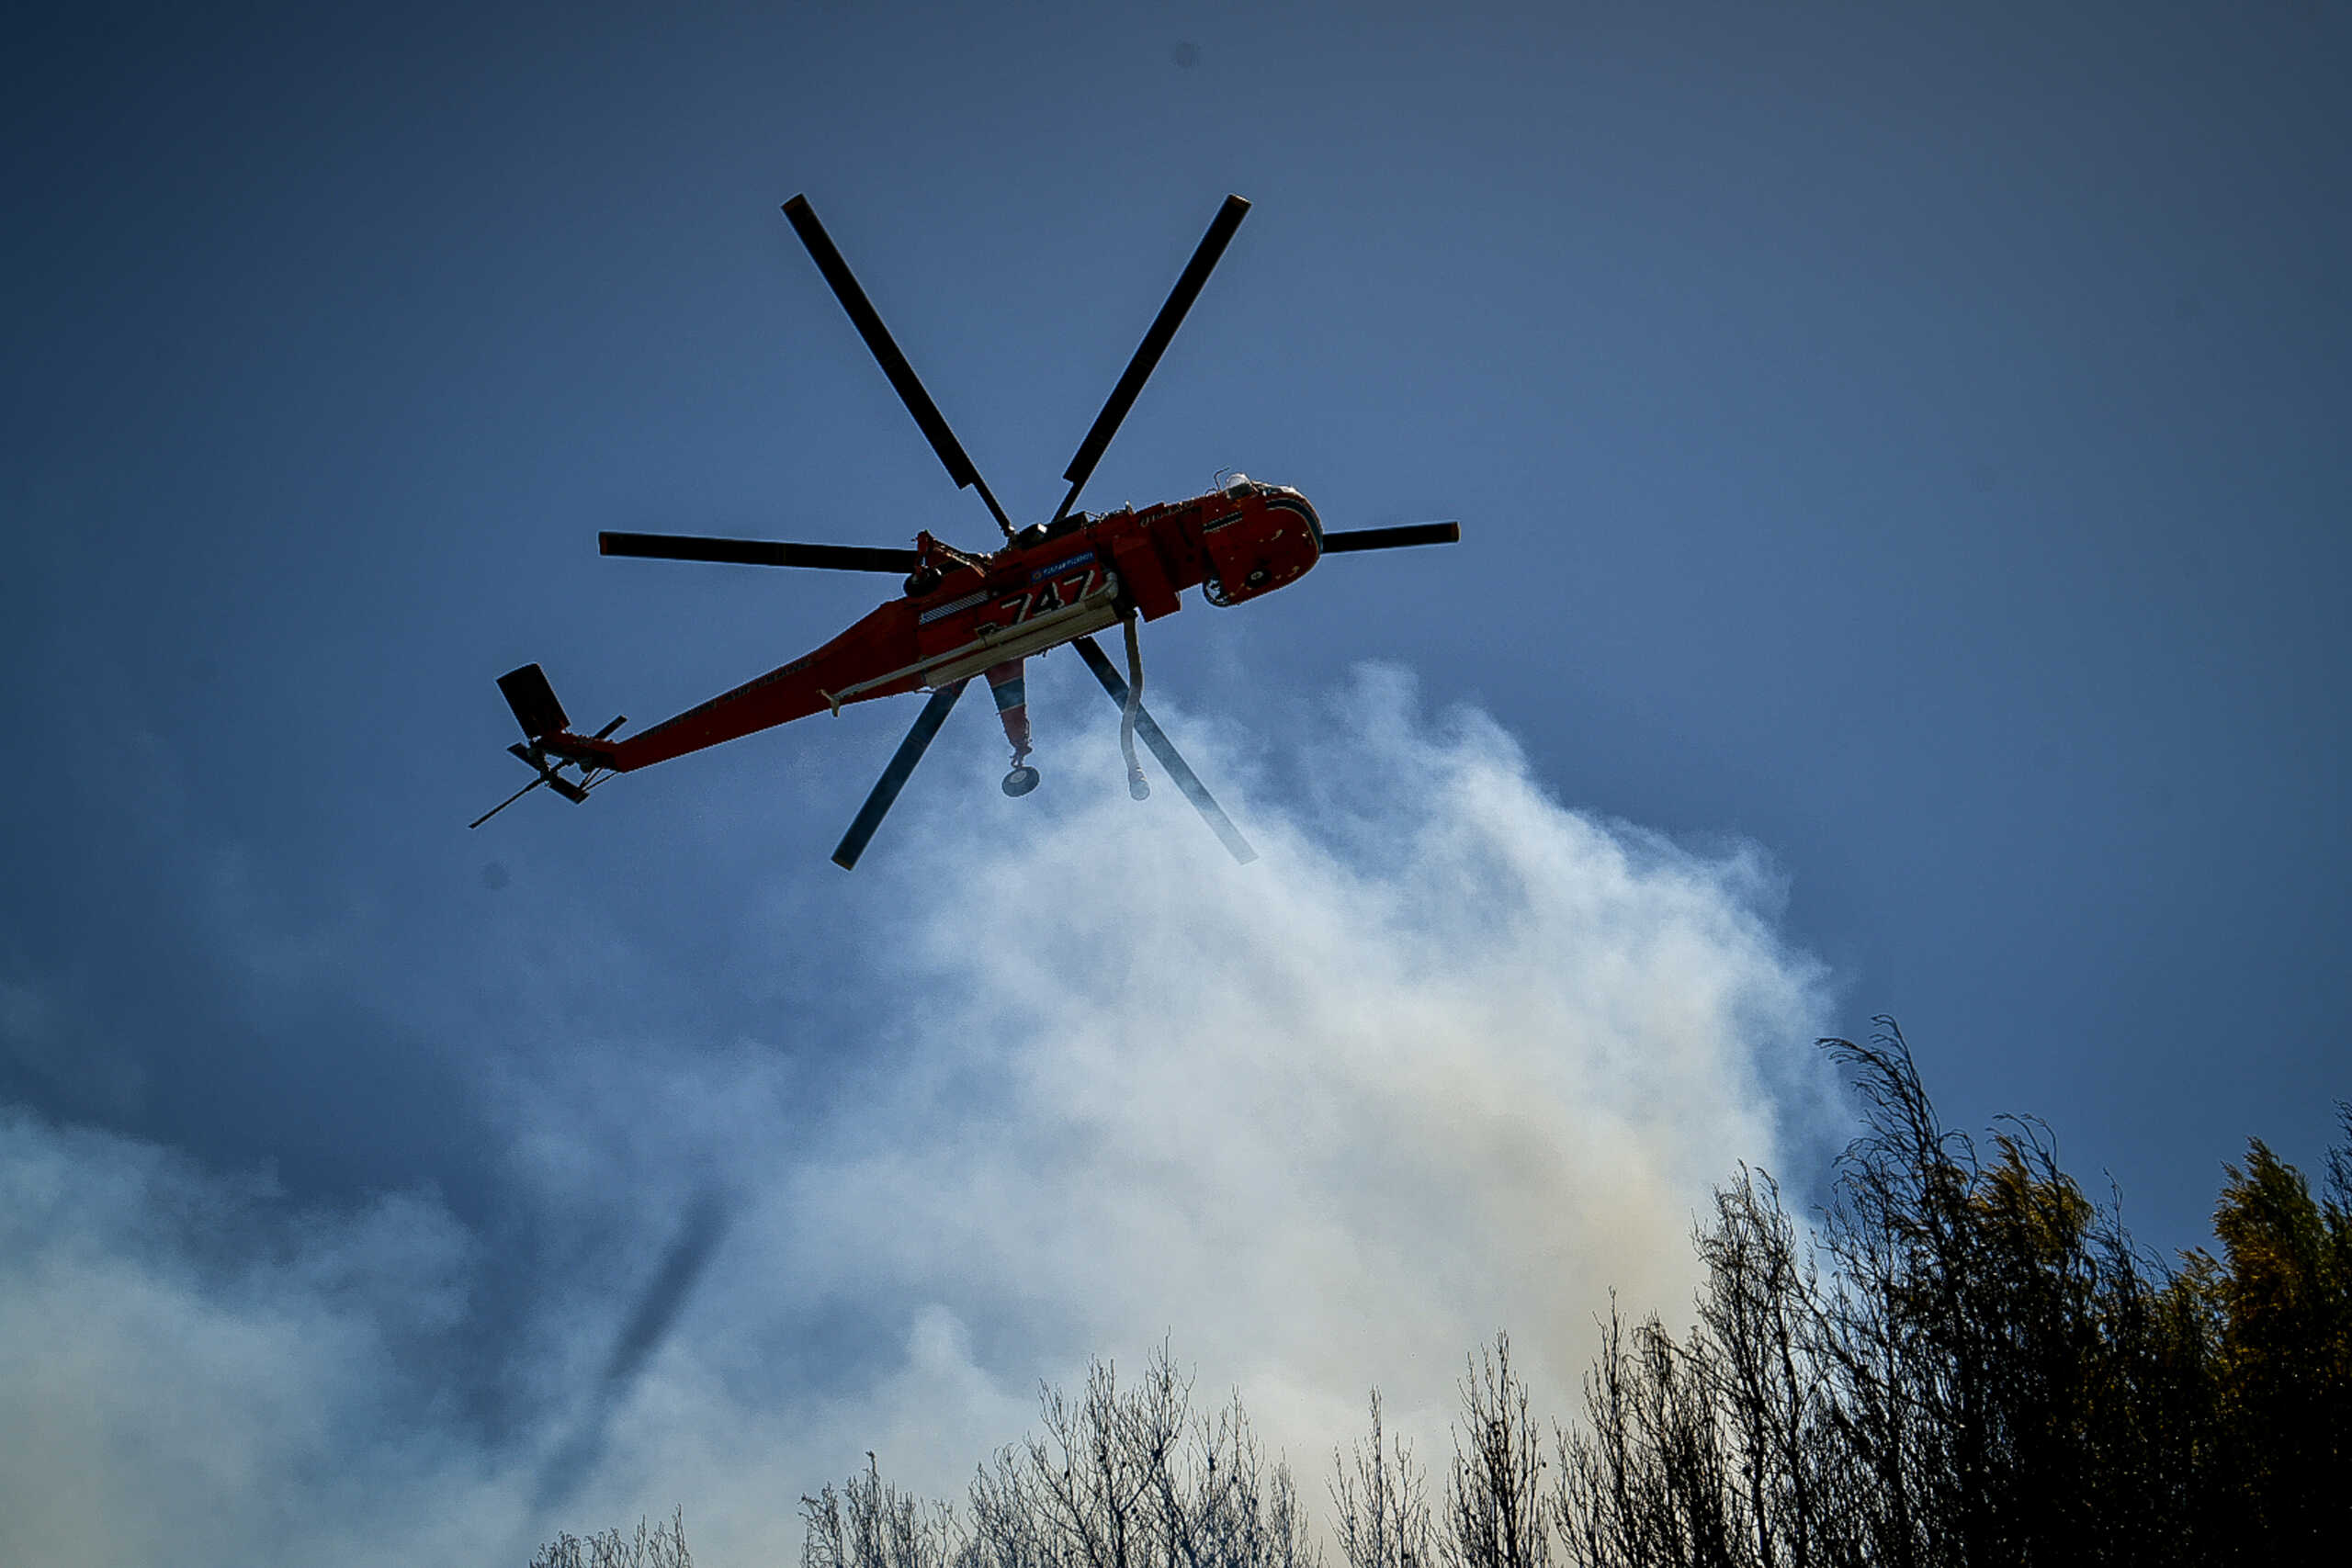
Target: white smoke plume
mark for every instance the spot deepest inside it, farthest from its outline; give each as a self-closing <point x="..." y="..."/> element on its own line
<point x="1450" y="1058"/>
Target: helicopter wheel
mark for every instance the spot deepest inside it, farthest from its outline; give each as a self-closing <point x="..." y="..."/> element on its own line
<point x="1020" y="781"/>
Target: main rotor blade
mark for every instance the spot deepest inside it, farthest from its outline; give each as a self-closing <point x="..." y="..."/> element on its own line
<point x="756" y="552"/>
<point x="1165" y="749"/>
<point x="894" y="777"/>
<point x="868" y="323"/>
<point x="1154" y="342"/>
<point x="1391" y="538"/>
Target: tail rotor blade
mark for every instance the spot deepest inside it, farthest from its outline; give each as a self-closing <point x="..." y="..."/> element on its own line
<point x="1392" y="538"/>
<point x="894" y="777"/>
<point x="1155" y="343"/>
<point x="507" y="802"/>
<point x="868" y="321"/>
<point x="1165" y="749"/>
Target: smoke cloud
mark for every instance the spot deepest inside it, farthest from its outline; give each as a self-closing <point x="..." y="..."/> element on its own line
<point x="1450" y="1058"/>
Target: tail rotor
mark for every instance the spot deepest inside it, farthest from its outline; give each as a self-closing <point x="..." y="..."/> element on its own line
<point x="541" y="715"/>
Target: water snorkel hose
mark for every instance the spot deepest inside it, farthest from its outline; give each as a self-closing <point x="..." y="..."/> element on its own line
<point x="1138" y="785"/>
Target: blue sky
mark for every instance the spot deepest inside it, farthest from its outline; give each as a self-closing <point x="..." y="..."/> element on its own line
<point x="1900" y="461"/>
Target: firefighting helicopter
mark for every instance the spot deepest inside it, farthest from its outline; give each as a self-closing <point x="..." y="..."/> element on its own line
<point x="963" y="614"/>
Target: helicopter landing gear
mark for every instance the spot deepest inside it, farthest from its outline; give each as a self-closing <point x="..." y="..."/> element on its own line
<point x="1020" y="781"/>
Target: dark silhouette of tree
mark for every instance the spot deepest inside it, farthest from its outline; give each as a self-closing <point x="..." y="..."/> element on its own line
<point x="1650" y="1482"/>
<point x="868" y="1523"/>
<point x="1118" y="1479"/>
<point x="660" y="1545"/>
<point x="1383" y="1505"/>
<point x="1494" y="1505"/>
<point x="1986" y="1371"/>
<point x="2282" y="1307"/>
<point x="1757" y="1312"/>
<point x="1138" y="1481"/>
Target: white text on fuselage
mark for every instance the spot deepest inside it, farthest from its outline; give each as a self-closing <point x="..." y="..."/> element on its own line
<point x="1048" y="596"/>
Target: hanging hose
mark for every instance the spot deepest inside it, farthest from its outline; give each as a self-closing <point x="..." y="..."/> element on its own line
<point x="1138" y="785"/>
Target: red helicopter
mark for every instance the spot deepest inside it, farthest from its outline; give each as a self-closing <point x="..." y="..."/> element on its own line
<point x="964" y="614"/>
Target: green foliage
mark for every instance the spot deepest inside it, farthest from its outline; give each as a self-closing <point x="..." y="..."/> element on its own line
<point x="1965" y="1363"/>
<point x="1977" y="1367"/>
<point x="2277" y="1321"/>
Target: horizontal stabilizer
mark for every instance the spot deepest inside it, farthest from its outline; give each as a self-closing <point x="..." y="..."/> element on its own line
<point x="533" y="700"/>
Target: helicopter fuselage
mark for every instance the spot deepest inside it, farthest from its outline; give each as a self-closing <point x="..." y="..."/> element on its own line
<point x="963" y="615"/>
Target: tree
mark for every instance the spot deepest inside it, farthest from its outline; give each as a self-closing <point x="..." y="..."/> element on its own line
<point x="1383" y="1505"/>
<point x="1647" y="1484"/>
<point x="2284" y="1350"/>
<point x="1494" y="1513"/>
<point x="869" y="1524"/>
<point x="653" y="1546"/>
<point x="1761" y="1320"/>
<point x="1985" y="1372"/>
<point x="1130" y="1479"/>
